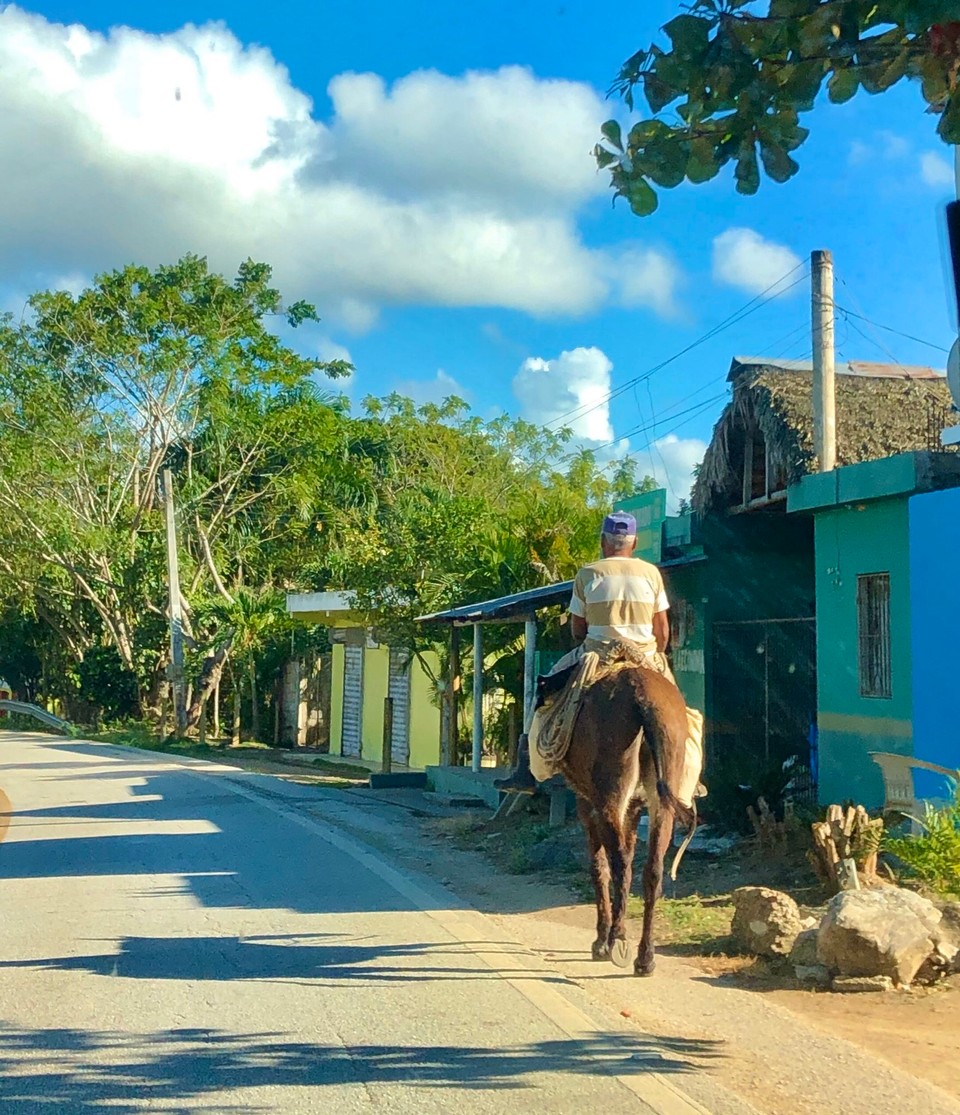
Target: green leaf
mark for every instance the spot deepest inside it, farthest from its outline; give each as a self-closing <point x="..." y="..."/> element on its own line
<point x="665" y="161"/>
<point x="690" y="35"/>
<point x="610" y="130"/>
<point x="604" y="158"/>
<point x="640" y="195"/>
<point x="843" y="84"/>
<point x="658" y="92"/>
<point x="949" y="127"/>
<point x="747" y="173"/>
<point x="703" y="163"/>
<point x="776" y="162"/>
<point x="933" y="80"/>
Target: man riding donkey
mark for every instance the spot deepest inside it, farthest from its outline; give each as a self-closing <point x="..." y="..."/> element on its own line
<point x="618" y="609"/>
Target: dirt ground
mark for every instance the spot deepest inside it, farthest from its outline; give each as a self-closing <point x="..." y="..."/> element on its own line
<point x="917" y="1031"/>
<point x="532" y="869"/>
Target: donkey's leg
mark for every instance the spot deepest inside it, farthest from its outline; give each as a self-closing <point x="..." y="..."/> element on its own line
<point x="600" y="874"/>
<point x="620" y="835"/>
<point x="661" y="836"/>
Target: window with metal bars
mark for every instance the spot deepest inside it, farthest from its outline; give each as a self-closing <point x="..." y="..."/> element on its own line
<point x="873" y="628"/>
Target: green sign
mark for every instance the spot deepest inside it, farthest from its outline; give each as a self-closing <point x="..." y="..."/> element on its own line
<point x="650" y="511"/>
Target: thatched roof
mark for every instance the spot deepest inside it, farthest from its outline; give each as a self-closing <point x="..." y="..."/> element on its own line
<point x="882" y="409"/>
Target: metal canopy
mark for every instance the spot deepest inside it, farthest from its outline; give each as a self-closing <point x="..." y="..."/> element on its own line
<point x="516" y="607"/>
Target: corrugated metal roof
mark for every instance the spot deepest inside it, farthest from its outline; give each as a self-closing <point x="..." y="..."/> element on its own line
<point x="741" y="364"/>
<point x="519" y="605"/>
<point x="516" y="606"/>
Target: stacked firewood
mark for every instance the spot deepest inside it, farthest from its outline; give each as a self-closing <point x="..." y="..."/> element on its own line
<point x="766" y="828"/>
<point x="845" y="848"/>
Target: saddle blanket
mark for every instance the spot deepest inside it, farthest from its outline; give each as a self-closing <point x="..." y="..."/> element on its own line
<point x="552" y="728"/>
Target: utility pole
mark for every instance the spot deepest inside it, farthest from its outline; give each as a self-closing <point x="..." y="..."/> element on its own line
<point x="176" y="612"/>
<point x="824" y="380"/>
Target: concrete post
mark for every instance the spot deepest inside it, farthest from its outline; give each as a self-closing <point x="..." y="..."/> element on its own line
<point x="529" y="670"/>
<point x="824" y="380"/>
<point x="477" y="696"/>
<point x="176" y="612"/>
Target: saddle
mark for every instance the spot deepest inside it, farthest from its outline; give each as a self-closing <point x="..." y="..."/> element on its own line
<point x="560" y="695"/>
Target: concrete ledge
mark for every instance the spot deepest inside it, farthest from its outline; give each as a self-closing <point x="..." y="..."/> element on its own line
<point x="399" y="780"/>
<point x="463" y="782"/>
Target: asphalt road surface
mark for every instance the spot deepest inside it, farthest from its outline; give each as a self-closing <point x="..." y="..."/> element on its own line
<point x="180" y="937"/>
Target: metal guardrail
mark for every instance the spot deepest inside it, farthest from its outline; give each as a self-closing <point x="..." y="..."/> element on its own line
<point x="22" y="708"/>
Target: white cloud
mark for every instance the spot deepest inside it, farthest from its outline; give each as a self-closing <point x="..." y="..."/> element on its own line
<point x="435" y="390"/>
<point x="893" y="146"/>
<point x="579" y="381"/>
<point x="670" y="460"/>
<point x="884" y="145"/>
<point x="329" y="349"/>
<point x="436" y="190"/>
<point x="646" y="277"/>
<point x="743" y="258"/>
<point x="570" y="390"/>
<point x="859" y="153"/>
<point x="936" y="171"/>
<point x="434" y="134"/>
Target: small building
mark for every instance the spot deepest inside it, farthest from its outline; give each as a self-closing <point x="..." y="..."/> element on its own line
<point x="888" y="605"/>
<point x="756" y="623"/>
<point x="364" y="671"/>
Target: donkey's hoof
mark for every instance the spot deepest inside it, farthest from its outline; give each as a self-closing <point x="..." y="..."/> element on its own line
<point x="620" y="952"/>
<point x="644" y="967"/>
<point x="600" y="950"/>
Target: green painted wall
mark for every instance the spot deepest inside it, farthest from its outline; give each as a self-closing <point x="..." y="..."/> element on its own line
<point x="685" y="589"/>
<point x="852" y="540"/>
<point x="336" y="701"/>
<point x="650" y="510"/>
<point x="424" y="715"/>
<point x="376" y="678"/>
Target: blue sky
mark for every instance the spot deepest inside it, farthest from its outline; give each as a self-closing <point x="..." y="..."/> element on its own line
<point x="422" y="172"/>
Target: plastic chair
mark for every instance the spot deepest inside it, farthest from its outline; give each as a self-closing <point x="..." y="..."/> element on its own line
<point x="899" y="793"/>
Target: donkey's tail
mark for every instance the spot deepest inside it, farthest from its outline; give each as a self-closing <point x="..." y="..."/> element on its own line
<point x="685" y="814"/>
<point x="691" y="832"/>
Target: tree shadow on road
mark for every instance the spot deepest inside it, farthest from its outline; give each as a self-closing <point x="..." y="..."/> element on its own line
<point x="306" y="957"/>
<point x="87" y="1071"/>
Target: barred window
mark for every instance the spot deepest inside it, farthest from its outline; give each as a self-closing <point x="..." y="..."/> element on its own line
<point x="873" y="627"/>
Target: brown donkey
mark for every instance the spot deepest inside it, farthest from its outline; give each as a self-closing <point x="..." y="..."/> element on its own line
<point x="627" y="751"/>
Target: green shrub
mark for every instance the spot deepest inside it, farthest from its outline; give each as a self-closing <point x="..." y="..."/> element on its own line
<point x="933" y="855"/>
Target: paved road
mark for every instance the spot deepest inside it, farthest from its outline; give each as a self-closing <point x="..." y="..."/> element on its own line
<point x="182" y="938"/>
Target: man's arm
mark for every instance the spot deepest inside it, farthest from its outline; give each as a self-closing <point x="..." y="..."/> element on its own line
<point x="578" y="627"/>
<point x="661" y="630"/>
<point x="578" y="611"/>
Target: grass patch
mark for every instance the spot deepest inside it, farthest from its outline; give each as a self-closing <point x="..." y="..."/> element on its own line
<point x="692" y="924"/>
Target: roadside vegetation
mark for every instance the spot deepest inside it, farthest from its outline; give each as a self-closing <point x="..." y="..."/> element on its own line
<point x="281" y="484"/>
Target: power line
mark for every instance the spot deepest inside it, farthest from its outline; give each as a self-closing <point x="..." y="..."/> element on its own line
<point x="888" y="328"/>
<point x="644" y="428"/>
<point x="737" y="316"/>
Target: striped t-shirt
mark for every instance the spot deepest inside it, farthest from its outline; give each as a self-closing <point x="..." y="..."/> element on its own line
<point x="618" y="597"/>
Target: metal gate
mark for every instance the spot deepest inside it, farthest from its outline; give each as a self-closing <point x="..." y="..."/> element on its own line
<point x="763" y="703"/>
<point x="399" y="691"/>
<point x="351" y="734"/>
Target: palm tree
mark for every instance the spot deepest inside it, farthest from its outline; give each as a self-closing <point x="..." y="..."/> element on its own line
<point x="250" y="616"/>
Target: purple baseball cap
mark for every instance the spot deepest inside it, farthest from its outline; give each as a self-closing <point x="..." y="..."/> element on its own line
<point x="619" y="522"/>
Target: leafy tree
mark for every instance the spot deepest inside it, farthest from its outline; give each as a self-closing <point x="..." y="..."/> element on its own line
<point x="250" y="618"/>
<point x="736" y="82"/>
<point x="98" y="393"/>
<point x="107" y="684"/>
<point x="467" y="510"/>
